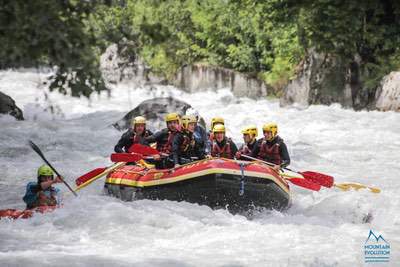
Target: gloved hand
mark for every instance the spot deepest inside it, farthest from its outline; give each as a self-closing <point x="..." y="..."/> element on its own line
<point x="238" y="155"/>
<point x="58" y="179"/>
<point x="185" y="161"/>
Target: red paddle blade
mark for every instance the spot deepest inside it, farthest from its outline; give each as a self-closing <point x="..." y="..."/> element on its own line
<point x="144" y="150"/>
<point x="319" y="178"/>
<point x="89" y="176"/>
<point x="125" y="157"/>
<point x="305" y="183"/>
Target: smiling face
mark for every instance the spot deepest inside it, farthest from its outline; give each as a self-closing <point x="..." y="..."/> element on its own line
<point x="172" y="125"/>
<point x="268" y="135"/>
<point x="191" y="127"/>
<point x="219" y="136"/>
<point x="45" y="178"/>
<point x="139" y="128"/>
<point x="246" y="138"/>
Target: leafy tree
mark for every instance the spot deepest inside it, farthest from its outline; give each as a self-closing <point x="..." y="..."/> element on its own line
<point x="53" y="33"/>
<point x="368" y="29"/>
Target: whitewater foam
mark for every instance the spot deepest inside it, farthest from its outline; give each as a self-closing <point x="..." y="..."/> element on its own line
<point x="325" y="228"/>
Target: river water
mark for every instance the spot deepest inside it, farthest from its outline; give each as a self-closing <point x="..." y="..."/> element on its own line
<point x="325" y="228"/>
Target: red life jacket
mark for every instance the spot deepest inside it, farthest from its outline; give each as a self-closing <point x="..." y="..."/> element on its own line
<point x="135" y="139"/>
<point x="245" y="150"/>
<point x="224" y="152"/>
<point x="44" y="200"/>
<point x="270" y="153"/>
<point x="167" y="147"/>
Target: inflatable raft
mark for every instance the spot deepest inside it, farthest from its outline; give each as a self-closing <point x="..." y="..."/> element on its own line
<point x="24" y="214"/>
<point x="217" y="182"/>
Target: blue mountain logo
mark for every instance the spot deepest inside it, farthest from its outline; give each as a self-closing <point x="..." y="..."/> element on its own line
<point x="372" y="236"/>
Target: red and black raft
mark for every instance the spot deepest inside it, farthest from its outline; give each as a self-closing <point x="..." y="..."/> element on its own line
<point x="217" y="182"/>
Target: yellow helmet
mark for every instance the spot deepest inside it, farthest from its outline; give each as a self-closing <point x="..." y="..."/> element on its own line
<point x="219" y="128"/>
<point x="188" y="119"/>
<point x="45" y="170"/>
<point x="172" y="117"/>
<point x="271" y="127"/>
<point x="217" y="120"/>
<point x="251" y="130"/>
<point x="138" y="120"/>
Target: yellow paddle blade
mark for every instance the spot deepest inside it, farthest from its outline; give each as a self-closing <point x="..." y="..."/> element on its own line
<point x="356" y="186"/>
<point x="145" y="164"/>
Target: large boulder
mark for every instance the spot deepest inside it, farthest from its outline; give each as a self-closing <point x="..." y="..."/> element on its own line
<point x="326" y="79"/>
<point x="154" y="110"/>
<point x="202" y="77"/>
<point x="388" y="94"/>
<point x="7" y="106"/>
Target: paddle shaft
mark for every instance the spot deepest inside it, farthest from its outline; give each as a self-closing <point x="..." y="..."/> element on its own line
<point x="39" y="152"/>
<point x="266" y="162"/>
<point x="343" y="186"/>
<point x="297" y="181"/>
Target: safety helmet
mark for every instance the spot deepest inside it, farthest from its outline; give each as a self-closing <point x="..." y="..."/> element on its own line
<point x="219" y="128"/>
<point x="172" y="117"/>
<point x="251" y="130"/>
<point x="217" y="120"/>
<point x="271" y="127"/>
<point x="44" y="170"/>
<point x="188" y="119"/>
<point x="192" y="112"/>
<point x="138" y="120"/>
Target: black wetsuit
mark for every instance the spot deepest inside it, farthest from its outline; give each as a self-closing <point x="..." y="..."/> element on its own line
<point x="127" y="140"/>
<point x="185" y="148"/>
<point x="200" y="135"/>
<point x="162" y="138"/>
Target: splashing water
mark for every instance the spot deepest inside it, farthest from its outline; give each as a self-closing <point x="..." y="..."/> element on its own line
<point x="325" y="228"/>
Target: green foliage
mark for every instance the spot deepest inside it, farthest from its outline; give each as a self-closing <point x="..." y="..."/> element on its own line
<point x="265" y="38"/>
<point x="368" y="29"/>
<point x="50" y="32"/>
<point x="232" y="34"/>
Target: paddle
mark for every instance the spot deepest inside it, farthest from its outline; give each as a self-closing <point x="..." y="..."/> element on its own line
<point x="315" y="177"/>
<point x="356" y="186"/>
<point x="120" y="158"/>
<point x="90" y="179"/>
<point x="304" y="183"/>
<point x="145" y="150"/>
<point x="325" y="180"/>
<point x="125" y="157"/>
<point x="39" y="152"/>
<point x="87" y="176"/>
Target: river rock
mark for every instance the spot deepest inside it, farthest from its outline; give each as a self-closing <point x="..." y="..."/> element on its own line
<point x="154" y="110"/>
<point x="7" y="106"/>
<point x="201" y="77"/>
<point x="326" y="79"/>
<point x="388" y="94"/>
